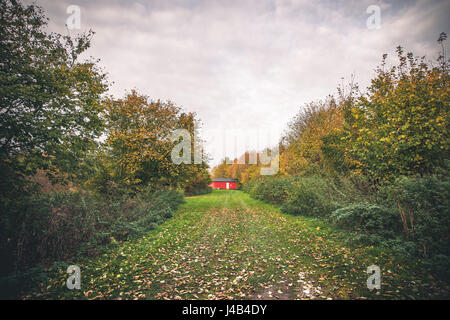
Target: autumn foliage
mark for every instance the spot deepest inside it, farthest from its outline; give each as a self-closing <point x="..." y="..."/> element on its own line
<point x="137" y="150"/>
<point x="400" y="126"/>
<point x="71" y="156"/>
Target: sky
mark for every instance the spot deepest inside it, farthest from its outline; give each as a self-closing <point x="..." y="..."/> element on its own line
<point x="247" y="67"/>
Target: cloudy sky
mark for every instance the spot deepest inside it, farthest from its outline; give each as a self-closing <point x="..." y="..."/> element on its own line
<point x="247" y="65"/>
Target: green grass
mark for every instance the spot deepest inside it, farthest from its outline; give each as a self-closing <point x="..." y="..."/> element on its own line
<point x="226" y="245"/>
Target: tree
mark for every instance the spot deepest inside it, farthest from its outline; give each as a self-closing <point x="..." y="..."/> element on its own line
<point x="138" y="146"/>
<point x="400" y="126"/>
<point x="302" y="143"/>
<point x="50" y="113"/>
<point x="243" y="169"/>
<point x="220" y="171"/>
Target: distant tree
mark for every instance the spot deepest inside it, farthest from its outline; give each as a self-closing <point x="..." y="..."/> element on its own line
<point x="301" y="145"/>
<point x="243" y="169"/>
<point x="220" y="171"/>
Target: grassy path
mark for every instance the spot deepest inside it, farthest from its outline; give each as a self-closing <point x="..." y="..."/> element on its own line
<point x="226" y="245"/>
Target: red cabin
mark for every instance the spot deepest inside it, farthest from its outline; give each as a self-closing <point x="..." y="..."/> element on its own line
<point x="224" y="183"/>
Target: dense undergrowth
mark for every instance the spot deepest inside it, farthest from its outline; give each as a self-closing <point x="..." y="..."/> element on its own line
<point x="410" y="215"/>
<point x="67" y="225"/>
<point x="197" y="191"/>
<point x="61" y="131"/>
<point x="226" y="245"/>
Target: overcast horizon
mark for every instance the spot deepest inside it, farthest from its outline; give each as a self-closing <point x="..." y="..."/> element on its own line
<point x="247" y="65"/>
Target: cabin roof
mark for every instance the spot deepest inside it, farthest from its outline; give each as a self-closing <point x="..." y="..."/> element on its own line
<point x="223" y="180"/>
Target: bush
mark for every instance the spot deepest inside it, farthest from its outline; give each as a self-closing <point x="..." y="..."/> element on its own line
<point x="422" y="204"/>
<point x="312" y="196"/>
<point x="273" y="190"/>
<point x="411" y="215"/>
<point x="197" y="192"/>
<point x="44" y="229"/>
<point x="368" y="218"/>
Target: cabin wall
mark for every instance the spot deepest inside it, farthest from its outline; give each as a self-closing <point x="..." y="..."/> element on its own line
<point x="223" y="185"/>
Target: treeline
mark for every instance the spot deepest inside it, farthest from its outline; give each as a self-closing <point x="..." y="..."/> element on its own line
<point x="244" y="169"/>
<point x="373" y="162"/>
<point x="79" y="168"/>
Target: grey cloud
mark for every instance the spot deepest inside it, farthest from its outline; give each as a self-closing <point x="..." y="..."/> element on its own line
<point x="248" y="63"/>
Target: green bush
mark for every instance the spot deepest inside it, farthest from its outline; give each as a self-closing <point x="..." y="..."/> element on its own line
<point x="410" y="215"/>
<point x="312" y="196"/>
<point x="424" y="202"/>
<point x="198" y="191"/>
<point x="52" y="227"/>
<point x="369" y="219"/>
<point x="273" y="190"/>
